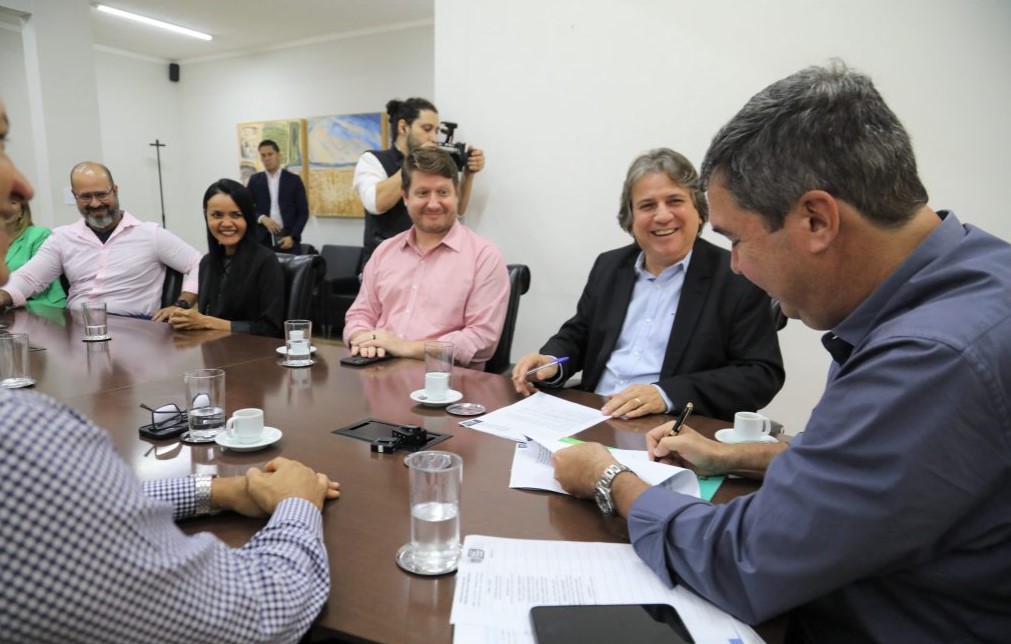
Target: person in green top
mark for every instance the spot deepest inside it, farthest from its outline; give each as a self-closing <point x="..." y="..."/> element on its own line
<point x="26" y="239"/>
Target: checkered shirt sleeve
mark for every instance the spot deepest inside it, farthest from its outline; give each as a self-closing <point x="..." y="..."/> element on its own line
<point x="87" y="556"/>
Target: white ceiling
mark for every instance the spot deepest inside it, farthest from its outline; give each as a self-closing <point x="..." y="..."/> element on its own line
<point x="243" y="26"/>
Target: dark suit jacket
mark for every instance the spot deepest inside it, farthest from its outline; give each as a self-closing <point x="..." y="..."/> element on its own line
<point x="723" y="353"/>
<point x="291" y="200"/>
<point x="251" y="296"/>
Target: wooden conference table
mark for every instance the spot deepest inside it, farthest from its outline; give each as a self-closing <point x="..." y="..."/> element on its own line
<point x="371" y="599"/>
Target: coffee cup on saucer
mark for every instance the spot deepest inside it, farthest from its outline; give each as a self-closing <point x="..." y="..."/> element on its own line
<point x="751" y="426"/>
<point x="245" y="426"/>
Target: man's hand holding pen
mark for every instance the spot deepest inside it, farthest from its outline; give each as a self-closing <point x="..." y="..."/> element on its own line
<point x="688" y="449"/>
<point x="533" y="368"/>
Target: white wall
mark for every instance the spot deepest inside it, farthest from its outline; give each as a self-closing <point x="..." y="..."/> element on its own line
<point x="139" y="105"/>
<point x="562" y="95"/>
<point x="14" y="92"/>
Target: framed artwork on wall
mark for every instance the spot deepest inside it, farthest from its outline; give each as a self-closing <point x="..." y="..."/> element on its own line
<point x="334" y="144"/>
<point x="289" y="134"/>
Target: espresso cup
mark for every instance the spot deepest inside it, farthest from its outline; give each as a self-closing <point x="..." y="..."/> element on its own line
<point x="437" y="385"/>
<point x="751" y="426"/>
<point x="245" y="425"/>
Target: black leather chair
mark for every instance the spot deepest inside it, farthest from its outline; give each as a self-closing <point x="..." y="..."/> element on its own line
<point x="302" y="277"/>
<point x="340" y="286"/>
<point x="171" y="287"/>
<point x="519" y="283"/>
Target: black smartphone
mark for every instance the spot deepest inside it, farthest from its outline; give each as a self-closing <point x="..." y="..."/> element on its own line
<point x="605" y="624"/>
<point x="361" y="361"/>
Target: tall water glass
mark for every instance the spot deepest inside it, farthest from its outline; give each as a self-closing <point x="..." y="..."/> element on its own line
<point x="96" y="326"/>
<point x="205" y="391"/>
<point x="298" y="343"/>
<point x="438" y="369"/>
<point x="15" y="369"/>
<point x="436" y="478"/>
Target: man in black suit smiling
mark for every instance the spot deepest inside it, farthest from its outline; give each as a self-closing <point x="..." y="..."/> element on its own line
<point x="664" y="321"/>
<point x="282" y="207"/>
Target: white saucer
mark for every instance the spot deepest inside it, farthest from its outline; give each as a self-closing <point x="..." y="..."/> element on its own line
<point x="285" y="363"/>
<point x="419" y="397"/>
<point x="726" y="435"/>
<point x="284" y="350"/>
<point x="269" y="436"/>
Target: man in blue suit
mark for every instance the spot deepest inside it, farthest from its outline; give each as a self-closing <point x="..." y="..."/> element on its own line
<point x="281" y="204"/>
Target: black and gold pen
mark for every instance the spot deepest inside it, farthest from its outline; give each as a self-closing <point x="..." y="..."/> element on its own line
<point x="685" y="413"/>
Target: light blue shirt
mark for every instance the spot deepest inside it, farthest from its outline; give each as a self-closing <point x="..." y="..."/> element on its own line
<point x="642" y="346"/>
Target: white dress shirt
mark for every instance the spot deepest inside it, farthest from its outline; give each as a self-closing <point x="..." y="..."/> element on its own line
<point x="126" y="272"/>
<point x="368" y="172"/>
<point x="273" y="187"/>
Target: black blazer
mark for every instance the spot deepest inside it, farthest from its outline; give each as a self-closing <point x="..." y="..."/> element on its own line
<point x="291" y="199"/>
<point x="723" y="353"/>
<point x="254" y="302"/>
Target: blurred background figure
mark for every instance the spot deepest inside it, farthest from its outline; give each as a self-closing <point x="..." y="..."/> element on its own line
<point x="25" y="240"/>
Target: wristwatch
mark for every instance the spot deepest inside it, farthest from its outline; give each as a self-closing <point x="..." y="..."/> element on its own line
<point x="202" y="493"/>
<point x="183" y="304"/>
<point x="602" y="491"/>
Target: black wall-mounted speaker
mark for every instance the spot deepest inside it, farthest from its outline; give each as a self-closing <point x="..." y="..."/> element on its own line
<point x="173" y="72"/>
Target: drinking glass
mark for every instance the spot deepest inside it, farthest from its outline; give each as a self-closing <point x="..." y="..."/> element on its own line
<point x="96" y="326"/>
<point x="436" y="479"/>
<point x="205" y="390"/>
<point x="15" y="368"/>
<point x="298" y="343"/>
<point x="438" y="369"/>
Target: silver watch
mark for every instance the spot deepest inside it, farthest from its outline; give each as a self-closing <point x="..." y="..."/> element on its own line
<point x="202" y="493"/>
<point x="602" y="491"/>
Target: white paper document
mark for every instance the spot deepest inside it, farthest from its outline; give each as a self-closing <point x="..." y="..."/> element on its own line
<point x="499" y="580"/>
<point x="532" y="469"/>
<point x="540" y="416"/>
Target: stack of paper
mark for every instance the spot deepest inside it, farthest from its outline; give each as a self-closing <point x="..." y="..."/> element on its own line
<point x="532" y="469"/>
<point x="500" y="580"/>
<point x="548" y="417"/>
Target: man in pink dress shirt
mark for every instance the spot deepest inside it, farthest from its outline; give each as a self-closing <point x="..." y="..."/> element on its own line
<point x="436" y="281"/>
<point x="109" y="255"/>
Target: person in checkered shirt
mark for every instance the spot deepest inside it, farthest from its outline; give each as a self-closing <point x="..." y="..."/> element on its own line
<point x="90" y="554"/>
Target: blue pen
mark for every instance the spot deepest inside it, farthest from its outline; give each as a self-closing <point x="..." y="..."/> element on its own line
<point x="553" y="362"/>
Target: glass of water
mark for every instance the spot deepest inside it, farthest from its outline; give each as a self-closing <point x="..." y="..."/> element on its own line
<point x="298" y="343"/>
<point x="15" y="368"/>
<point x="96" y="328"/>
<point x="205" y="391"/>
<point x="436" y="478"/>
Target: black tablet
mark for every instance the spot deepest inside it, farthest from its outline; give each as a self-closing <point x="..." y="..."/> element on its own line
<point x="606" y="624"/>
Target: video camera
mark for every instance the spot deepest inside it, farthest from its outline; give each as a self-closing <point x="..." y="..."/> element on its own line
<point x="456" y="150"/>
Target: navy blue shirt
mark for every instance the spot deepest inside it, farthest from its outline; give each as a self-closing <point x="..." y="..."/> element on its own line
<point x="889" y="518"/>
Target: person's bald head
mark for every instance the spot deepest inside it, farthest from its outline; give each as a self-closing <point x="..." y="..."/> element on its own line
<point x="97" y="195"/>
<point x="91" y="167"/>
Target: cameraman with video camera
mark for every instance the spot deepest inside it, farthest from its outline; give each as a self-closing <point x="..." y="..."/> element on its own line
<point x="377" y="176"/>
